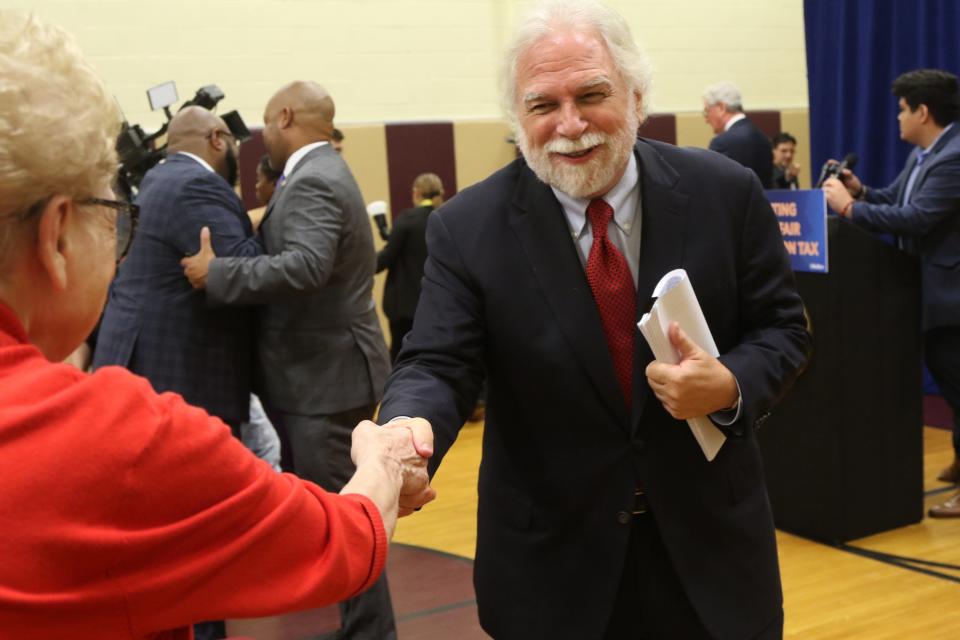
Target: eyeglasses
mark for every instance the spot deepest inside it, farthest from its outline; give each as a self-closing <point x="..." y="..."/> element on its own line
<point x="127" y="216"/>
<point x="222" y="133"/>
<point x="706" y="109"/>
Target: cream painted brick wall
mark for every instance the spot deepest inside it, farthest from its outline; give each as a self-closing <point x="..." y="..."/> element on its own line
<point x="390" y="60"/>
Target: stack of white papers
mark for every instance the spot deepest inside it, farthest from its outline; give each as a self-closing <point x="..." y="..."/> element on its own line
<point x="676" y="301"/>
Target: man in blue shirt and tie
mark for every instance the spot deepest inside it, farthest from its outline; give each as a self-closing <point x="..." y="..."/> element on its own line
<point x="922" y="206"/>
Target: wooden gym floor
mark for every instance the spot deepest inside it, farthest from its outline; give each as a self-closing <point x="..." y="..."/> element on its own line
<point x="829" y="593"/>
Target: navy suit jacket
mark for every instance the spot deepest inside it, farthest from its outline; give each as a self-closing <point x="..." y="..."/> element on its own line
<point x="505" y="296"/>
<point x="155" y="323"/>
<point x="404" y="256"/>
<point x="747" y="145"/>
<point x="931" y="220"/>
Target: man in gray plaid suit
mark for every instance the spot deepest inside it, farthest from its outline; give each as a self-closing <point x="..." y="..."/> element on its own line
<point x="322" y="355"/>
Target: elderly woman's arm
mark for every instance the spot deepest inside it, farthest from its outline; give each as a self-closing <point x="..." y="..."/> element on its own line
<point x="206" y="529"/>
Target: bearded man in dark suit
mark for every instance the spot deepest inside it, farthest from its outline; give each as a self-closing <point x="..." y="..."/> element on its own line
<point x="155" y="323"/>
<point x="599" y="515"/>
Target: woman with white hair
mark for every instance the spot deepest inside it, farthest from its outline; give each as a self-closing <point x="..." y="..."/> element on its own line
<point x="128" y="514"/>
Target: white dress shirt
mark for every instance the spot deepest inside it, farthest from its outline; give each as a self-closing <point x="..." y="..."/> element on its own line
<point x="624" y="227"/>
<point x="298" y="155"/>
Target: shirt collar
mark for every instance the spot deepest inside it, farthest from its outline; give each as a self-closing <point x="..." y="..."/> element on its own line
<point x="575" y="209"/>
<point x="925" y="152"/>
<point x="734" y="120"/>
<point x="298" y="155"/>
<point x="203" y="163"/>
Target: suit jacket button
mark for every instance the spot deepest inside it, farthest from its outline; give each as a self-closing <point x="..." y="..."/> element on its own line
<point x="623" y="517"/>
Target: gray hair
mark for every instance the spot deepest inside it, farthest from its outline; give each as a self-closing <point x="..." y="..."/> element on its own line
<point x="580" y="15"/>
<point x="726" y="93"/>
<point x="58" y="122"/>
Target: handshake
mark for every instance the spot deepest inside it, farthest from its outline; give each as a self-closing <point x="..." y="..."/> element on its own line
<point x="391" y="465"/>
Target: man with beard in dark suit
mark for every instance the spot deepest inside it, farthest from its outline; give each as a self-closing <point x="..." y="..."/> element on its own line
<point x="155" y="323"/>
<point x="737" y="137"/>
<point x="599" y="515"/>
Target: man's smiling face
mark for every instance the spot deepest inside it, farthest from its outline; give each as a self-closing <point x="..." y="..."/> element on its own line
<point x="578" y="119"/>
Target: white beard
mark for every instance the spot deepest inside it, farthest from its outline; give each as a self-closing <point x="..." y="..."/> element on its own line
<point x="582" y="181"/>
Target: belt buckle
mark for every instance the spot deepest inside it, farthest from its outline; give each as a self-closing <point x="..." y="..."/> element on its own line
<point x="639" y="502"/>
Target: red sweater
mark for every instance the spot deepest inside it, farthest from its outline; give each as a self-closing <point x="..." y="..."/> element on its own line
<point x="127" y="514"/>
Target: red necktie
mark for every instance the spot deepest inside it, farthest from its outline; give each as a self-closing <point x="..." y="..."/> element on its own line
<point x="616" y="297"/>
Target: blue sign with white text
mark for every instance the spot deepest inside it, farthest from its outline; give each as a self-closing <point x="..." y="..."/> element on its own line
<point x="803" y="223"/>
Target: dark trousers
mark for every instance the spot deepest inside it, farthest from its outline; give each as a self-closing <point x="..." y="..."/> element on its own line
<point x="234" y="428"/>
<point x="321" y="454"/>
<point x="941" y="350"/>
<point x="398" y="328"/>
<point x="651" y="603"/>
<point x="209" y="630"/>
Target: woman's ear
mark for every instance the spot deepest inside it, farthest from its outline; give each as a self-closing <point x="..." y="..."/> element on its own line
<point x="52" y="240"/>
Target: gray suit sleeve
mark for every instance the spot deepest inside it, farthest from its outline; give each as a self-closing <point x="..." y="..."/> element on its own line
<point x="311" y="229"/>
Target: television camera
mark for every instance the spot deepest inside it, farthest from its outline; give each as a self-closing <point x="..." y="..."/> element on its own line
<point x="139" y="152"/>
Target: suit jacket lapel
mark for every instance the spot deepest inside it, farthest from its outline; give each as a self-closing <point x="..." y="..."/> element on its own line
<point x="313" y="153"/>
<point x="542" y="230"/>
<point x="911" y="163"/>
<point x="271" y="204"/>
<point x="661" y="249"/>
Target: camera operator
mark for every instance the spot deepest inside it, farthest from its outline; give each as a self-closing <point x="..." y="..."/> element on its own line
<point x="922" y="206"/>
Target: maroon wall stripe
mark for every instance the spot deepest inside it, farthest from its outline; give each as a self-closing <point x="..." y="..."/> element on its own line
<point x="250" y="153"/>
<point x="414" y="148"/>
<point x="767" y="121"/>
<point x="417" y="147"/>
<point x="660" y="126"/>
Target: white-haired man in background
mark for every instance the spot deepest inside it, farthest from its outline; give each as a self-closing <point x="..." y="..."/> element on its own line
<point x="599" y="516"/>
<point x="737" y="137"/>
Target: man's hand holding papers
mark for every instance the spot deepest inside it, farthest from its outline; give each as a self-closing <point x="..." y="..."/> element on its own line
<point x="686" y="375"/>
<point x="697" y="385"/>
